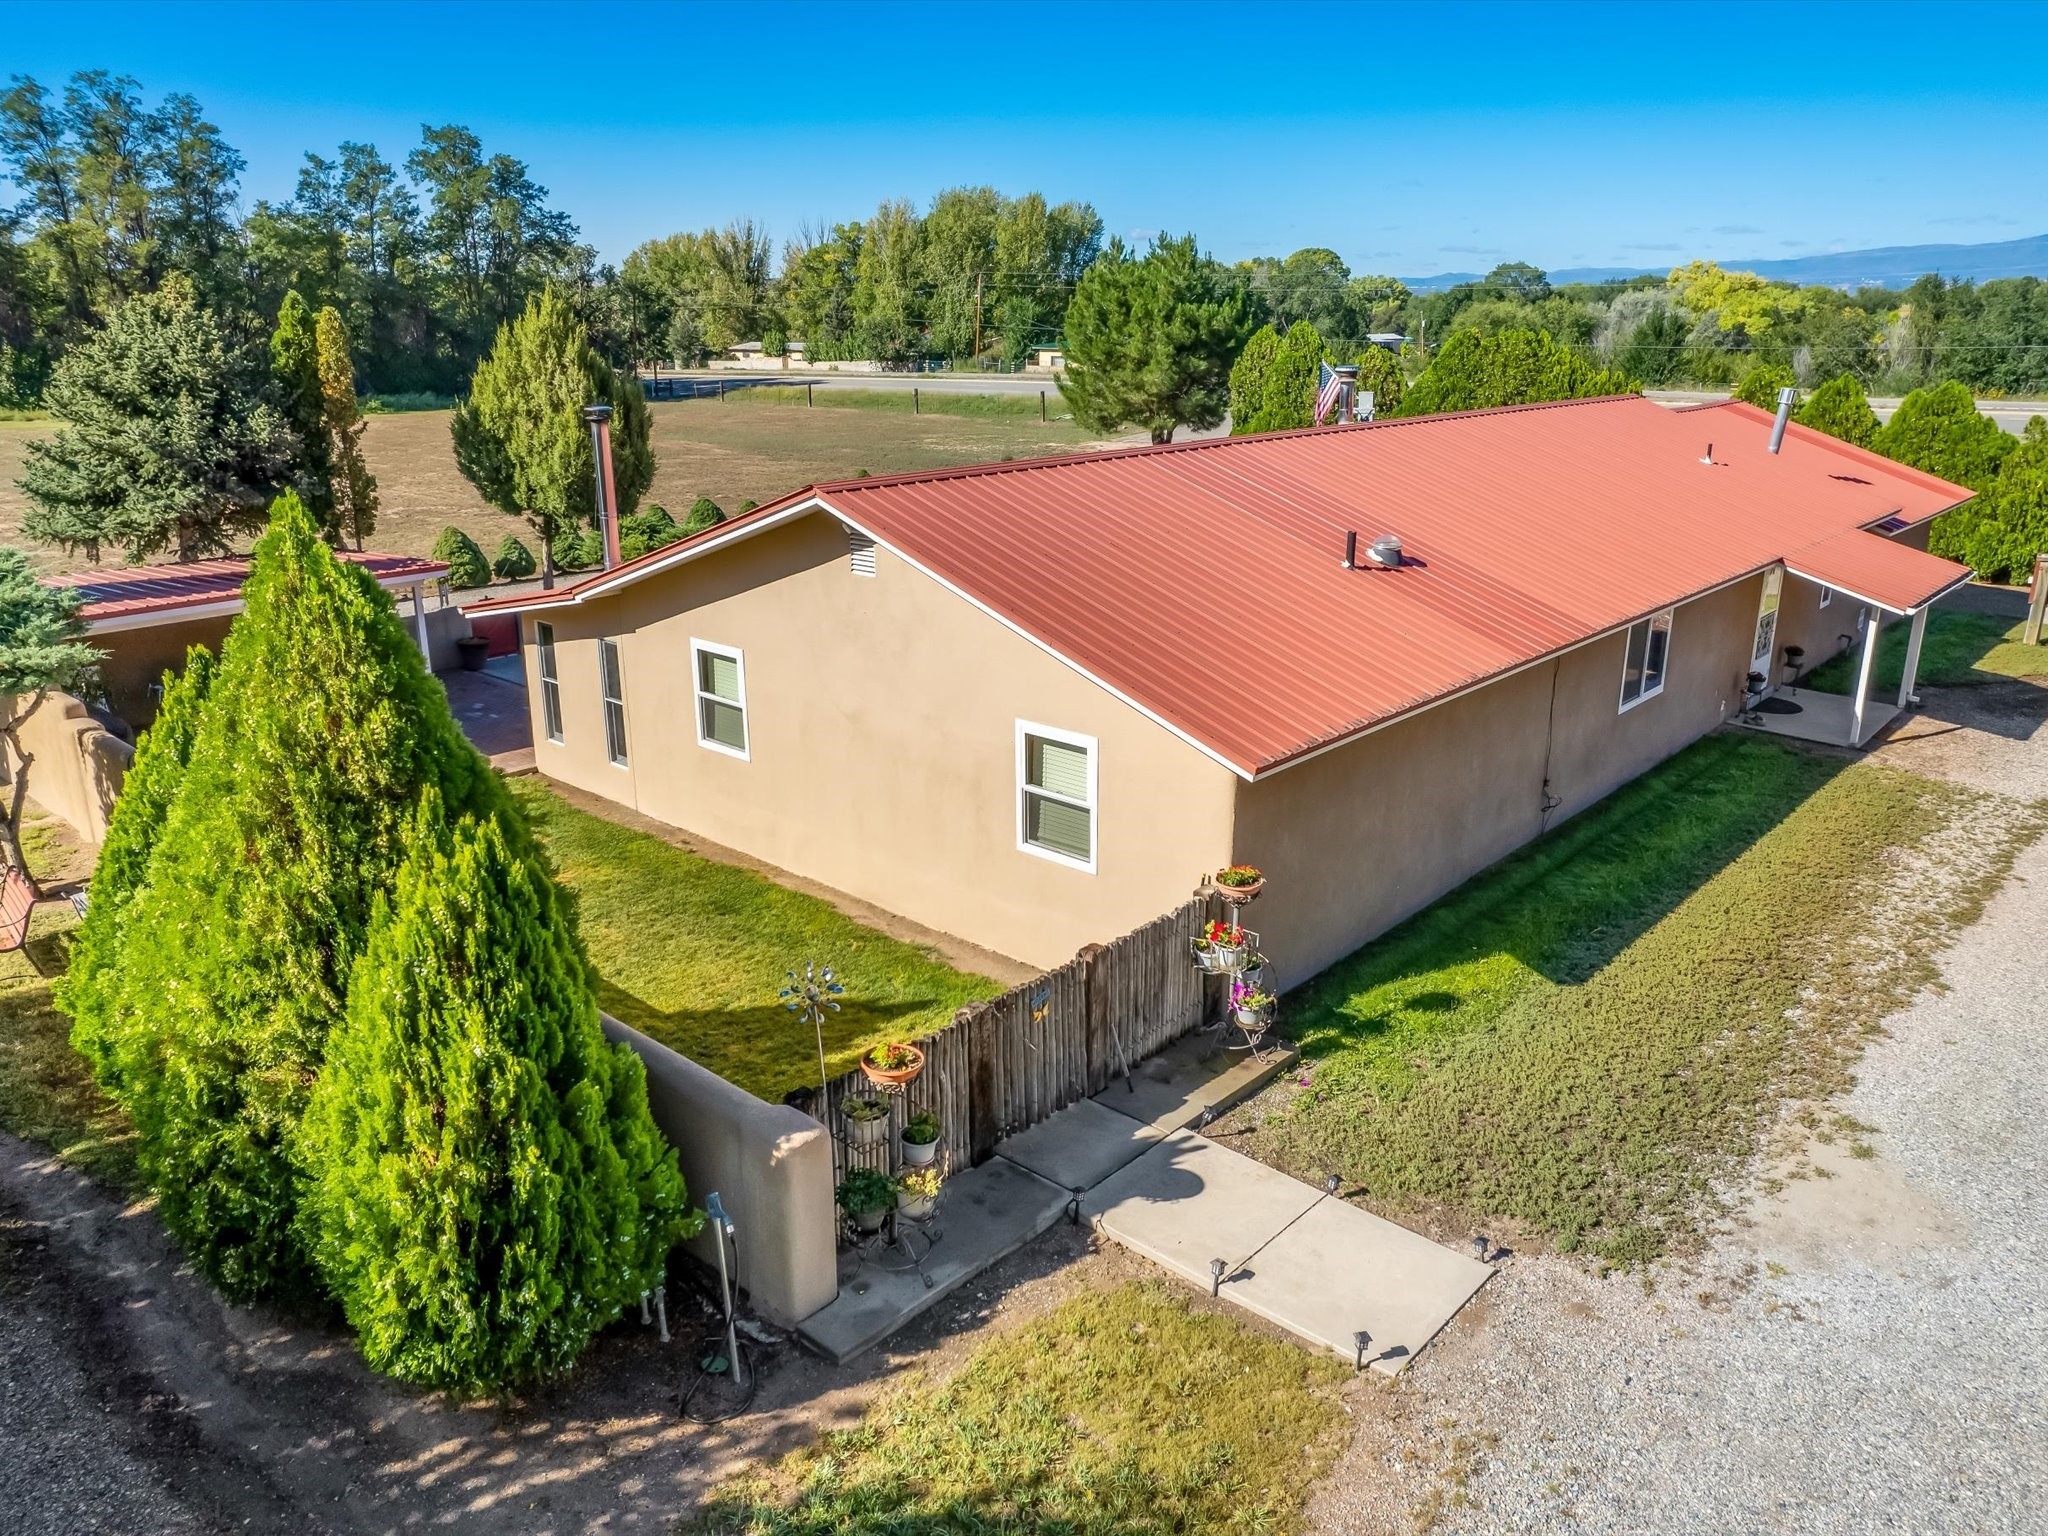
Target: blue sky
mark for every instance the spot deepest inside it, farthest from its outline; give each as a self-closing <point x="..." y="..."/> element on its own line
<point x="1411" y="139"/>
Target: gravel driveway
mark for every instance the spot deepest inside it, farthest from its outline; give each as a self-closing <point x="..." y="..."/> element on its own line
<point x="1865" y="1352"/>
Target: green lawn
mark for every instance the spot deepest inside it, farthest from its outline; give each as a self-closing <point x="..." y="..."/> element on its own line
<point x="46" y="1094"/>
<point x="1960" y="648"/>
<point x="929" y="402"/>
<point x="1587" y="1039"/>
<point x="693" y="952"/>
<point x="1124" y="1413"/>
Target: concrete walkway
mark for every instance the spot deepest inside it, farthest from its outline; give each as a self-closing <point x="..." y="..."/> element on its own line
<point x="1325" y="1270"/>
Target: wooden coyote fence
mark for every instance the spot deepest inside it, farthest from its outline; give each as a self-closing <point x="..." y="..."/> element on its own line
<point x="1005" y="1065"/>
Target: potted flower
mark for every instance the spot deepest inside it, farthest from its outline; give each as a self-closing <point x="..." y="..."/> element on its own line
<point x="920" y="1139"/>
<point x="1249" y="1006"/>
<point x="918" y="1191"/>
<point x="892" y="1065"/>
<point x="1226" y="944"/>
<point x="865" y="1195"/>
<point x="1254" y="972"/>
<point x="1239" y="883"/>
<point x="1753" y="685"/>
<point x="867" y="1121"/>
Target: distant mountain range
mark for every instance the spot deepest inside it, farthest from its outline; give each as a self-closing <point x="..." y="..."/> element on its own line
<point x="1890" y="266"/>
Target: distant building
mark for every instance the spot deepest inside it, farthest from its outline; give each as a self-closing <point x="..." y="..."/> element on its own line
<point x="1047" y="359"/>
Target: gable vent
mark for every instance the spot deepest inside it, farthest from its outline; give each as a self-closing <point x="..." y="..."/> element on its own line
<point x="860" y="552"/>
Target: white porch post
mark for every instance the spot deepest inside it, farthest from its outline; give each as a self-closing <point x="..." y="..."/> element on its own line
<point x="419" y="620"/>
<point x="1912" y="673"/>
<point x="1866" y="663"/>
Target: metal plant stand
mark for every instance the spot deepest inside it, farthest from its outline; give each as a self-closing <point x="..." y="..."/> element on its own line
<point x="1233" y="1032"/>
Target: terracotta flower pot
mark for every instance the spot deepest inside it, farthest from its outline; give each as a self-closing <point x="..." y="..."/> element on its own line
<point x="894" y="1077"/>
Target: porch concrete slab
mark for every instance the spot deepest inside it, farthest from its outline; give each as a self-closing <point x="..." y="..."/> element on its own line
<point x="1339" y="1271"/>
<point x="1190" y="1200"/>
<point x="1080" y="1146"/>
<point x="1174" y="1087"/>
<point x="989" y="1213"/>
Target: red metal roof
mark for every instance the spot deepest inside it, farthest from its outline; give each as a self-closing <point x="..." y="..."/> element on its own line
<point x="137" y="595"/>
<point x="1204" y="582"/>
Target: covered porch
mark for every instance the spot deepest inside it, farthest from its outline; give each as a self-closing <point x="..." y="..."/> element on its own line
<point x="1805" y="715"/>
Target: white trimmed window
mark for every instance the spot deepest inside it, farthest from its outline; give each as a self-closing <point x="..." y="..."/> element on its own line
<point x="550" y="680"/>
<point x="1827" y="595"/>
<point x="1056" y="795"/>
<point x="721" y="681"/>
<point x="613" y="687"/>
<point x="1642" y="667"/>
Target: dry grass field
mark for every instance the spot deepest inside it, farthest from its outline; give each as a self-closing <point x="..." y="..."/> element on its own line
<point x="729" y="452"/>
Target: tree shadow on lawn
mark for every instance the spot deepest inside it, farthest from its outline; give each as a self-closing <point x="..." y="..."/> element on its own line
<point x="763" y="1047"/>
<point x="1566" y="905"/>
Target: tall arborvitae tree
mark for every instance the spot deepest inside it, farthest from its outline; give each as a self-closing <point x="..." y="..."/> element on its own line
<point x="520" y="438"/>
<point x="147" y="793"/>
<point x="316" y="740"/>
<point x="487" y="1188"/>
<point x="1840" y="409"/>
<point x="1941" y="431"/>
<point x="2001" y="534"/>
<point x="1472" y="372"/>
<point x="295" y="370"/>
<point x="351" y="486"/>
<point x="1248" y="380"/>
<point x="1760" y="385"/>
<point x="1379" y="373"/>
<point x="1150" y="342"/>
<point x="42" y="646"/>
<point x="1291" y="381"/>
<point x="167" y="439"/>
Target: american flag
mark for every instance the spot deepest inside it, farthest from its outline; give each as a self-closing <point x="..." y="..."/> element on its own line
<point x="1328" y="389"/>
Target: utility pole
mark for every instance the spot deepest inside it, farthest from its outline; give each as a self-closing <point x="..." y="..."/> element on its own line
<point x="977" y="319"/>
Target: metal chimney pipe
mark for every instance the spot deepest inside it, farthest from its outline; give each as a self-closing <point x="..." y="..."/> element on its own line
<point x="600" y="419"/>
<point x="1351" y="550"/>
<point x="1347" y="390"/>
<point x="1785" y="398"/>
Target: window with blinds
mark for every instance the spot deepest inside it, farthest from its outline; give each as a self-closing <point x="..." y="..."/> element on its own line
<point x="1056" y="795"/>
<point x="721" y="698"/>
<point x="613" y="687"/>
<point x="550" y="681"/>
<point x="1642" y="664"/>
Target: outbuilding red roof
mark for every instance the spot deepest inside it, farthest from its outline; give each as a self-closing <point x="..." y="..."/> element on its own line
<point x="133" y="596"/>
<point x="1205" y="582"/>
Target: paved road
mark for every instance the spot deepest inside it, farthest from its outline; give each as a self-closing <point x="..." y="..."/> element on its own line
<point x="2012" y="415"/>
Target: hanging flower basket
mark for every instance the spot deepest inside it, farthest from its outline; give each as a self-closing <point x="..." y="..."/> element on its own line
<point x="1239" y="884"/>
<point x="892" y="1065"/>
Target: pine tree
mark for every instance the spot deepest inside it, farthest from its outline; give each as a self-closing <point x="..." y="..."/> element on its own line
<point x="1840" y="409"/>
<point x="319" y="734"/>
<point x="1472" y="372"/>
<point x="487" y="1186"/>
<point x="295" y="369"/>
<point x="352" y="488"/>
<point x="42" y="647"/>
<point x="514" y="560"/>
<point x="147" y="792"/>
<point x="520" y="438"/>
<point x="167" y="439"/>
<point x="1150" y="342"/>
<point x="464" y="557"/>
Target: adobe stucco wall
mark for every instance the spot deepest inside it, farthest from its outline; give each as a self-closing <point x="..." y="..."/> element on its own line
<point x="135" y="660"/>
<point x="771" y="1167"/>
<point x="1366" y="834"/>
<point x="77" y="765"/>
<point x="882" y="716"/>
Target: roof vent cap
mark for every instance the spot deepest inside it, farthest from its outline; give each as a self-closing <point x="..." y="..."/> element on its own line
<point x="1385" y="550"/>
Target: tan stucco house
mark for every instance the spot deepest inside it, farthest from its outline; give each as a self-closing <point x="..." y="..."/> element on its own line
<point x="1033" y="704"/>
